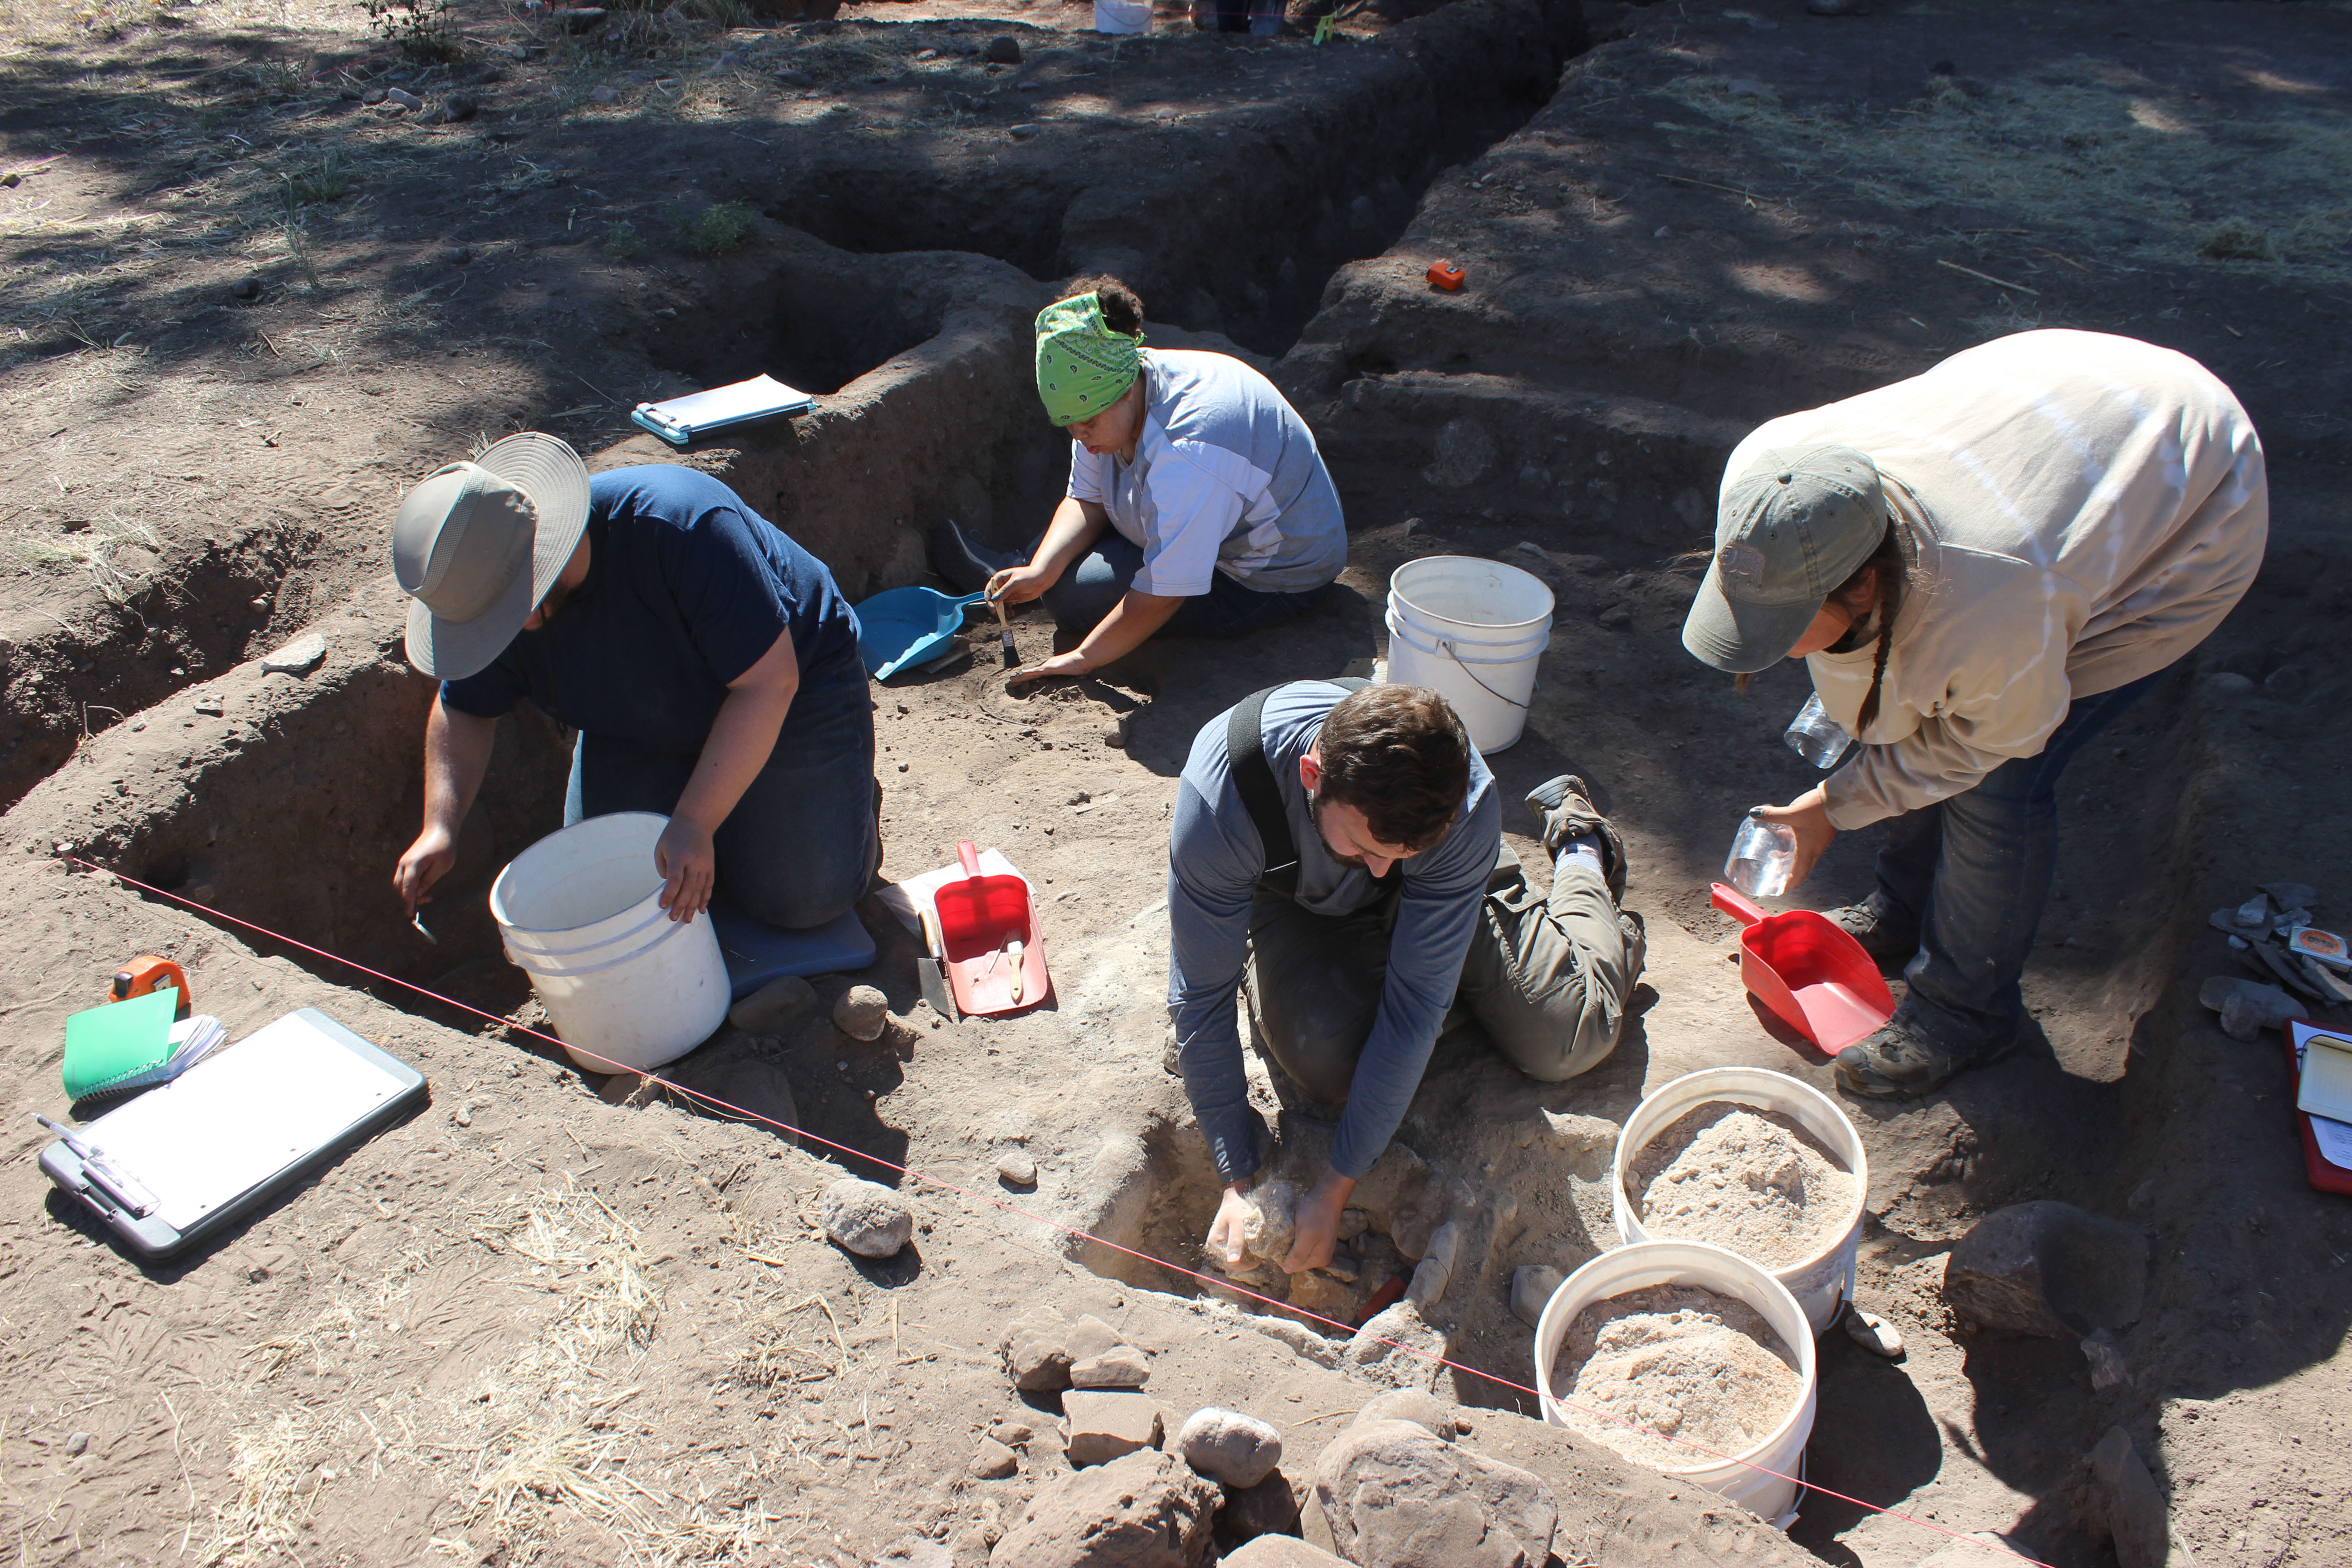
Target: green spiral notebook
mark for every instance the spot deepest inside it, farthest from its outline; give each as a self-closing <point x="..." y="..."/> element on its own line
<point x="124" y="1045"/>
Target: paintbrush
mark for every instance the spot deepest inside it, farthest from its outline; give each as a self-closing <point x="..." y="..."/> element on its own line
<point x="1004" y="630"/>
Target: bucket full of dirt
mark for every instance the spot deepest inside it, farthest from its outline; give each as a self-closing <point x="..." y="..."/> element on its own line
<point x="1472" y="630"/>
<point x="624" y="986"/>
<point x="1755" y="1162"/>
<point x="1687" y="1359"/>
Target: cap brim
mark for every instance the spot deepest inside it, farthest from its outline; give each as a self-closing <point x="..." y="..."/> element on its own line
<point x="1741" y="639"/>
<point x="452" y="650"/>
<point x="552" y="474"/>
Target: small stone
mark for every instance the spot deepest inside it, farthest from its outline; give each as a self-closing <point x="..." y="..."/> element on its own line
<point x="1416" y="525"/>
<point x="603" y="95"/>
<point x="461" y="106"/>
<point x="1120" y="1366"/>
<point x="794" y="78"/>
<point x="993" y="1461"/>
<point x="1015" y="1169"/>
<point x="300" y="656"/>
<point x="1035" y="1353"/>
<point x="770" y="1009"/>
<point x="1466" y="450"/>
<point x="862" y="1013"/>
<point x="2293" y="895"/>
<point x="1389" y="1492"/>
<point x="402" y="97"/>
<point x="1532" y="1285"/>
<point x="1002" y="51"/>
<point x="1399" y="1348"/>
<point x="1268" y="1508"/>
<point x="2247" y="1007"/>
<point x="1228" y="1446"/>
<point x="1872" y="1333"/>
<point x="1013" y="1433"/>
<point x="77" y="1445"/>
<point x="1353" y="1223"/>
<point x="1529" y="547"/>
<point x="1023" y="133"/>
<point x="462" y="1117"/>
<point x="373" y="97"/>
<point x="2131" y="1505"/>
<point x="246" y="288"/>
<point x="457" y="254"/>
<point x="12" y="179"/>
<point x="727" y="61"/>
<point x="1099" y="1425"/>
<point x="1617" y="615"/>
<point x="434" y="117"/>
<point x="915" y="1552"/>
<point x="1145" y="1510"/>
<point x="867" y="1218"/>
<point x="2049" y="1269"/>
<point x="1419" y="1407"/>
<point x="1434" y="1272"/>
<point x="2105" y="1352"/>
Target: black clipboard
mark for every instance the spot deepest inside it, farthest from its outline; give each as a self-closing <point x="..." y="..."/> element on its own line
<point x="210" y="1147"/>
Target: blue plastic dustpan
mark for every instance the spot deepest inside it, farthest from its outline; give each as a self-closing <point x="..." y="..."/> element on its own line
<point x="757" y="953"/>
<point x="908" y="627"/>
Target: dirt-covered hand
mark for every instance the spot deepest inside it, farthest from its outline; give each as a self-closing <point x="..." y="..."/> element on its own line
<point x="1317" y="1231"/>
<point x="1019" y="584"/>
<point x="1071" y="663"/>
<point x="1228" y="1241"/>
<point x="689" y="865"/>
<point x="1808" y="816"/>
<point x="426" y="862"/>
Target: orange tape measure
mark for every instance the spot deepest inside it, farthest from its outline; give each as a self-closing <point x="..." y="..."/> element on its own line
<point x="1446" y="275"/>
<point x="147" y="973"/>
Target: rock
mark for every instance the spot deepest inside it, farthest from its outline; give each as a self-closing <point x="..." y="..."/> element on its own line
<point x="1003" y="50"/>
<point x="735" y="1078"/>
<point x="1322" y="1297"/>
<point x="729" y="61"/>
<point x="1353" y="1223"/>
<point x="2247" y="1007"/>
<point x="246" y="288"/>
<point x="1034" y="1352"/>
<point x="914" y="1551"/>
<point x="794" y="78"/>
<point x="1089" y="1336"/>
<point x="457" y="254"/>
<point x="1302" y="1340"/>
<point x="993" y="1461"/>
<point x="434" y="117"/>
<point x="402" y="97"/>
<point x="1269" y="1226"/>
<point x="1616" y="615"/>
<point x="2293" y="895"/>
<point x="1585" y="1139"/>
<point x="1015" y="1169"/>
<point x="1532" y="1285"/>
<point x="1387" y="1492"/>
<point x="374" y="95"/>
<point x="1120" y="1366"/>
<point x="1420" y="1407"/>
<point x="603" y="95"/>
<point x="862" y="1013"/>
<point x="1397" y="1347"/>
<point x="867" y="1218"/>
<point x="772" y="1007"/>
<point x="1465" y="452"/>
<point x="79" y="1445"/>
<point x="1021" y="133"/>
<point x="1269" y="1508"/>
<point x="1099" y="1425"/>
<point x="2049" y="1269"/>
<point x="2132" y="1506"/>
<point x="210" y="707"/>
<point x="1435" y="1270"/>
<point x="1270" y="1549"/>
<point x="1230" y="1448"/>
<point x="300" y="656"/>
<point x="460" y="106"/>
<point x="2104" y="1350"/>
<point x="1872" y="1333"/>
<point x="1145" y="1510"/>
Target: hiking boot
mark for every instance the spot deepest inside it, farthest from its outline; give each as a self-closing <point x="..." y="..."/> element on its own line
<point x="1901" y="1062"/>
<point x="1885" y="931"/>
<point x="963" y="561"/>
<point x="1565" y="811"/>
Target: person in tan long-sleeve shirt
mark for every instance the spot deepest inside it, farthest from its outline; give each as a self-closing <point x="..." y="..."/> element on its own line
<point x="1982" y="567"/>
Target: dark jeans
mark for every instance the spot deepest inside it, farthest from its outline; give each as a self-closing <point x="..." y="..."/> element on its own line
<point x="1974" y="872"/>
<point x="1088" y="590"/>
<point x="801" y="846"/>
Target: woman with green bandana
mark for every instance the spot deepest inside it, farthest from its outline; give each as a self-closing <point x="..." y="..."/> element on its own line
<point x="1197" y="503"/>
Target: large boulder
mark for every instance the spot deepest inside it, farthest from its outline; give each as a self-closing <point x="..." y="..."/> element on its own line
<point x="1387" y="1494"/>
<point x="2049" y="1269"/>
<point x="1146" y="1511"/>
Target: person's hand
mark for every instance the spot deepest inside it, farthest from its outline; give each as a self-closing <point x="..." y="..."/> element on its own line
<point x="426" y="862"/>
<point x="688" y="864"/>
<point x="1315" y="1228"/>
<point x="1019" y="584"/>
<point x="1808" y="816"/>
<point x="1228" y="1241"/>
<point x="1071" y="663"/>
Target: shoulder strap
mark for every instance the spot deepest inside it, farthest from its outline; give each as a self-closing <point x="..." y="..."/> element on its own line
<point x="1254" y="780"/>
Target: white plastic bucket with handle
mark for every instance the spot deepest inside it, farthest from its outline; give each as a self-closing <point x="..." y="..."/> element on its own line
<point x="1825" y="1278"/>
<point x="624" y="986"/>
<point x="1742" y="1477"/>
<point x="1126" y="17"/>
<point x="1472" y="630"/>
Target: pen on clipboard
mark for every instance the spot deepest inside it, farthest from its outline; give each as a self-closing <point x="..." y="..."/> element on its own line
<point x="105" y="1177"/>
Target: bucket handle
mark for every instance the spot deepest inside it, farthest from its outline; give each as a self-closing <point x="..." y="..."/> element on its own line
<point x="1482" y="685"/>
<point x="1401" y="630"/>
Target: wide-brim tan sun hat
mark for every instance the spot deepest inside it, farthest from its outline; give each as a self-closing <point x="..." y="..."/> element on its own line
<point x="463" y="538"/>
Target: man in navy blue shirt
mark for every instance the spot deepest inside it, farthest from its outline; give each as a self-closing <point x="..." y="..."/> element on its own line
<point x="709" y="664"/>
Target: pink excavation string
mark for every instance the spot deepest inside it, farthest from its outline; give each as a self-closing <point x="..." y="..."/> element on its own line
<point x="1041" y="1219"/>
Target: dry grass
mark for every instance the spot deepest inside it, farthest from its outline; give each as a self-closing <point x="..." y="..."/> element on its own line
<point x="2079" y="151"/>
<point x="94" y="550"/>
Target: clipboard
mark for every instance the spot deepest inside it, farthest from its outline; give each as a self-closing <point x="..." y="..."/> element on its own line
<point x="201" y="1152"/>
<point x="681" y="421"/>
<point x="2323" y="1173"/>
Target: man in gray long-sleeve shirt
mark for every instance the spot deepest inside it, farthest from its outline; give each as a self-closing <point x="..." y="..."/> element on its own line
<point x="1403" y="914"/>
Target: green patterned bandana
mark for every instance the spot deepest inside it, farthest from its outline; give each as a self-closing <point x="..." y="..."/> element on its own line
<point x="1083" y="367"/>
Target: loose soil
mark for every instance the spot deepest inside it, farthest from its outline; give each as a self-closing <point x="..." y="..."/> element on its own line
<point x="1674" y="1376"/>
<point x="530" y="1325"/>
<point x="1753" y="1181"/>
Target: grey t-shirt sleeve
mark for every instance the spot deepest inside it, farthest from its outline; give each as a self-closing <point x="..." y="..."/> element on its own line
<point x="1214" y="862"/>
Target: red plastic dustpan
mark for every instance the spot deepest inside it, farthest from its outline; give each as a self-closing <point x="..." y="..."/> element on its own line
<point x="1808" y="972"/>
<point x="994" y="962"/>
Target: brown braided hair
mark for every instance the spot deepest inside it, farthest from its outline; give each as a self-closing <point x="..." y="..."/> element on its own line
<point x="1888" y="562"/>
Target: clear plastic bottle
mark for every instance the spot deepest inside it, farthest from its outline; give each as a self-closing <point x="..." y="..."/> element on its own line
<point x="1815" y="736"/>
<point x="1762" y="854"/>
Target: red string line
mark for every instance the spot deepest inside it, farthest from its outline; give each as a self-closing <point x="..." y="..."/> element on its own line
<point x="1016" y="1210"/>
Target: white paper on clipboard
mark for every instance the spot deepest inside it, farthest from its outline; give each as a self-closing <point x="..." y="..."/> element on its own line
<point x="2334" y="1137"/>
<point x="240" y="1116"/>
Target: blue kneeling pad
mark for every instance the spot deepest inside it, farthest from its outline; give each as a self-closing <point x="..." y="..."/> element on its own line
<point x="757" y="953"/>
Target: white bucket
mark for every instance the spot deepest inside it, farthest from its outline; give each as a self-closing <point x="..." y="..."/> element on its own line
<point x="625" y="985"/>
<point x="1819" y="1282"/>
<point x="1472" y="630"/>
<point x="1741" y="1477"/>
<point x="1127" y="16"/>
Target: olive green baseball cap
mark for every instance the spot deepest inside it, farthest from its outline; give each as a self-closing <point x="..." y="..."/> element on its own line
<point x="1791" y="527"/>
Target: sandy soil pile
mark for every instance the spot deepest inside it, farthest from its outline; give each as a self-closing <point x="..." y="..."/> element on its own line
<point x="1753" y="1181"/>
<point x="1678" y="1362"/>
